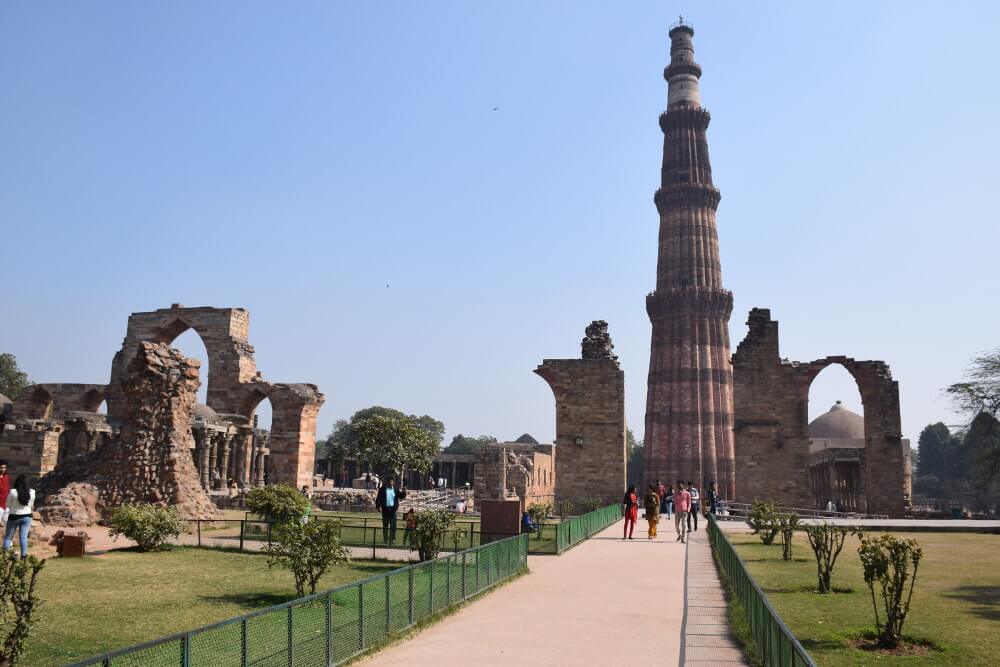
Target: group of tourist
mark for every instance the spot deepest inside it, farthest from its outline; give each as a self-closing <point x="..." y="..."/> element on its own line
<point x="683" y="501"/>
<point x="18" y="503"/>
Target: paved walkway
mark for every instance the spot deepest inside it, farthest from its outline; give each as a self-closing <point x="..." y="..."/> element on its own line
<point x="707" y="640"/>
<point x="604" y="602"/>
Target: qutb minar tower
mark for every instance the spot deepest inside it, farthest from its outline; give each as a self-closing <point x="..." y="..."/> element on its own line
<point x="689" y="405"/>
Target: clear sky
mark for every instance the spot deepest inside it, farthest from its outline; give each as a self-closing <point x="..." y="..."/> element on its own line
<point x="339" y="169"/>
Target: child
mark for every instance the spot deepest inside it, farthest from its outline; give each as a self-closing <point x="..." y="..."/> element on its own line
<point x="410" y="519"/>
<point x="630" y="508"/>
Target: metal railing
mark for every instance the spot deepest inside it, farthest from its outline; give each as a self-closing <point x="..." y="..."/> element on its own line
<point x="576" y="529"/>
<point x="332" y="627"/>
<point x="733" y="510"/>
<point x="776" y="644"/>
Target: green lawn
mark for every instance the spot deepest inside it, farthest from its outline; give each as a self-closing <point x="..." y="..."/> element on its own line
<point x="956" y="602"/>
<point x="97" y="604"/>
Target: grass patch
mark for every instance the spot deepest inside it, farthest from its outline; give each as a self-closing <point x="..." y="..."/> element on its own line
<point x="952" y="620"/>
<point x="97" y="604"/>
<point x="736" y="614"/>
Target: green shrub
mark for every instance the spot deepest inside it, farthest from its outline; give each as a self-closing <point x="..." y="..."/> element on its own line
<point x="307" y="550"/>
<point x="429" y="535"/>
<point x="763" y="519"/>
<point x="18" y="602"/>
<point x="886" y="561"/>
<point x="149" y="526"/>
<point x="826" y="541"/>
<point x="786" y="525"/>
<point x="277" y="502"/>
<point x="589" y="504"/>
<point x="539" y="512"/>
<point x="564" y="508"/>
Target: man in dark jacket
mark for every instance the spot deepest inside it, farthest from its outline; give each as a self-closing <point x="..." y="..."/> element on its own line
<point x="387" y="500"/>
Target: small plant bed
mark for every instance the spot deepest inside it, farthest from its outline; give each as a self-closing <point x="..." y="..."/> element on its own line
<point x="93" y="605"/>
<point x="952" y="618"/>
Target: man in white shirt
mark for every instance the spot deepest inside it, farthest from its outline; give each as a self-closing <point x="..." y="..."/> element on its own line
<point x="695" y="506"/>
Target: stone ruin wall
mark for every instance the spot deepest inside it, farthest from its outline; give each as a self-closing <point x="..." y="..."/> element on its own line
<point x="526" y="470"/>
<point x="590" y="420"/>
<point x="150" y="461"/>
<point x="772" y="424"/>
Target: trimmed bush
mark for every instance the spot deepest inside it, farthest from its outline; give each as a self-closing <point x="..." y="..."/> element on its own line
<point x="307" y="550"/>
<point x="763" y="519"/>
<point x="886" y="561"/>
<point x="429" y="535"/>
<point x="18" y="601"/>
<point x="149" y="526"/>
<point x="826" y="541"/>
<point x="277" y="502"/>
<point x="539" y="512"/>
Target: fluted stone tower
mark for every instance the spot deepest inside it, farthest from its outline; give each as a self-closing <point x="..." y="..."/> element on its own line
<point x="689" y="405"/>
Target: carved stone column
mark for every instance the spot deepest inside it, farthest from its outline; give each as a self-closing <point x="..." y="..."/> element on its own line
<point x="213" y="461"/>
<point x="225" y="446"/>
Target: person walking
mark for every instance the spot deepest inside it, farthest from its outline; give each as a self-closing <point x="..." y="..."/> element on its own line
<point x="695" y="506"/>
<point x="652" y="505"/>
<point x="410" y="522"/>
<point x="713" y="499"/>
<point x="630" y="509"/>
<point x="668" y="500"/>
<point x="387" y="500"/>
<point x="4" y="485"/>
<point x="661" y="491"/>
<point x="682" y="505"/>
<point x="17" y="514"/>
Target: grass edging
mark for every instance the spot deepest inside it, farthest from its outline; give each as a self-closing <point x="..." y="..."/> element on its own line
<point x="422" y="624"/>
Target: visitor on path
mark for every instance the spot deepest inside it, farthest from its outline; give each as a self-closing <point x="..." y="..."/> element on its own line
<point x="387" y="500"/>
<point x="713" y="499"/>
<point x="682" y="505"/>
<point x="695" y="506"/>
<point x="830" y="506"/>
<point x="661" y="491"/>
<point x="368" y="481"/>
<point x="17" y="514"/>
<point x="652" y="504"/>
<point x="840" y="506"/>
<point x="668" y="500"/>
<point x="4" y="485"/>
<point x="410" y="521"/>
<point x="630" y="509"/>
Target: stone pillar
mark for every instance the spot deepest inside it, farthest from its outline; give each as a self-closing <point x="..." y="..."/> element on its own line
<point x="226" y="444"/>
<point x="590" y="420"/>
<point x="214" y="442"/>
<point x="292" y="442"/>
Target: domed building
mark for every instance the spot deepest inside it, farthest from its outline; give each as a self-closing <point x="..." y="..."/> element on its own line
<point x="837" y="458"/>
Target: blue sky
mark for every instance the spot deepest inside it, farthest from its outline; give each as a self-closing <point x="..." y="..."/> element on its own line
<point x="296" y="159"/>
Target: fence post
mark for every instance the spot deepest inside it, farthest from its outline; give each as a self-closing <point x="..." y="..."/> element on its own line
<point x="186" y="650"/>
<point x="447" y="582"/>
<point x="243" y="529"/>
<point x="361" y="618"/>
<point x="244" y="649"/>
<point x="464" y="596"/>
<point x="430" y="574"/>
<point x="329" y="628"/>
<point x="291" y="659"/>
<point x="409" y="615"/>
<point x="199" y="532"/>
<point x="373" y="539"/>
<point x="269" y="533"/>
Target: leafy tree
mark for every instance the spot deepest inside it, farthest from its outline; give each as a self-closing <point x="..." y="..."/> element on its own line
<point x="12" y="379"/>
<point x="981" y="390"/>
<point x="307" y="550"/>
<point x="342" y="443"/>
<point x="982" y="446"/>
<point x="462" y="444"/>
<point x="941" y="454"/>
<point x="18" y="602"/>
<point x="277" y="502"/>
<point x="887" y="561"/>
<point x="763" y="519"/>
<point x="635" y="466"/>
<point x="826" y="541"/>
<point x="429" y="535"/>
<point x="149" y="526"/>
<point x="393" y="444"/>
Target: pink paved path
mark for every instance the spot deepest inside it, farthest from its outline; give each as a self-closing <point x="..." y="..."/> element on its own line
<point x="604" y="602"/>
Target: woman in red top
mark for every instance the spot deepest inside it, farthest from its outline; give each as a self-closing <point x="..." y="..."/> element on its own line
<point x="630" y="508"/>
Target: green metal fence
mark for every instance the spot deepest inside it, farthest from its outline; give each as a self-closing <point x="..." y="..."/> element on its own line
<point x="576" y="529"/>
<point x="332" y="627"/>
<point x="775" y="642"/>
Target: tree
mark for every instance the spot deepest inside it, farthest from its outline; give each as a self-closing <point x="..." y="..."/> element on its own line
<point x="763" y="520"/>
<point x="981" y="390"/>
<point x="393" y="444"/>
<point x="342" y="443"/>
<point x="462" y="444"/>
<point x="18" y="602"/>
<point x="941" y="455"/>
<point x="277" y="502"/>
<point x="982" y="449"/>
<point x="886" y="561"/>
<point x="826" y="541"/>
<point x="12" y="379"/>
<point x="539" y="512"/>
<point x="635" y="452"/>
<point x="307" y="550"/>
